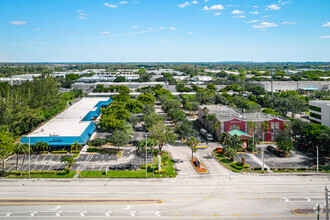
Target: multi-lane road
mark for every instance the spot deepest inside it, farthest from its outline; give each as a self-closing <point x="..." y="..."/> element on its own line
<point x="218" y="195"/>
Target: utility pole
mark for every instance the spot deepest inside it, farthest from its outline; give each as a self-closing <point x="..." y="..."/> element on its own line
<point x="146" y="157"/>
<point x="29" y="157"/>
<point x="262" y="152"/>
<point x="326" y="203"/>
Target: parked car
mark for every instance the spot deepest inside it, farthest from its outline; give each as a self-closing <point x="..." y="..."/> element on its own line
<point x="207" y="135"/>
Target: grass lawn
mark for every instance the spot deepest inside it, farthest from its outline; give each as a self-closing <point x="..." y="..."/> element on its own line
<point x="57" y="174"/>
<point x="141" y="173"/>
<point x="231" y="165"/>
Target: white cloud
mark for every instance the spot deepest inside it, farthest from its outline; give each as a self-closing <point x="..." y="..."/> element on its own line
<point x="123" y="2"/>
<point x="189" y="33"/>
<point x="283" y="3"/>
<point x="83" y="18"/>
<point x="110" y="5"/>
<point x="326" y="24"/>
<point x="37" y="29"/>
<point x="325" y="37"/>
<point x="266" y="16"/>
<point x="105" y="33"/>
<point x="183" y="5"/>
<point x="173" y="28"/>
<point x="237" y="12"/>
<point x="288" y="22"/>
<point x="17" y="22"/>
<point x="265" y="25"/>
<point x="273" y="7"/>
<point x="214" y="7"/>
<point x="149" y="28"/>
<point x="254" y="12"/>
<point x="255" y="6"/>
<point x="135" y="26"/>
<point x="80" y="10"/>
<point x="205" y="1"/>
<point x="194" y="2"/>
<point x="253" y="21"/>
<point x="239" y="16"/>
<point x="217" y="13"/>
<point x="83" y="14"/>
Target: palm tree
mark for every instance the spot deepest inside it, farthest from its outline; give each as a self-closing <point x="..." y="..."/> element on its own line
<point x="265" y="127"/>
<point x="253" y="126"/>
<point x="236" y="141"/>
<point x="192" y="143"/>
<point x="76" y="147"/>
<point x="224" y="139"/>
<point x="69" y="161"/>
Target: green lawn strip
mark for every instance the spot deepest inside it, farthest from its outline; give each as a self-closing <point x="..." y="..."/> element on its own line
<point x="231" y="165"/>
<point x="141" y="173"/>
<point x="57" y="174"/>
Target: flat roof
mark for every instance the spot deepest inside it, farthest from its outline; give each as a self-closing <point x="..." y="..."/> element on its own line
<point x="320" y="102"/>
<point x="224" y="113"/>
<point x="68" y="123"/>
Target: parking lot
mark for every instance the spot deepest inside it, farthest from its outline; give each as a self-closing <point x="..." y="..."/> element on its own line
<point x="85" y="162"/>
<point x="297" y="159"/>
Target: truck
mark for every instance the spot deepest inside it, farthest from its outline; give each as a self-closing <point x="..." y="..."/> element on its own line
<point x="207" y="135"/>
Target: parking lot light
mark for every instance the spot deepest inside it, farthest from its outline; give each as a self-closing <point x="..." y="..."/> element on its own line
<point x="317" y="158"/>
<point x="146" y="157"/>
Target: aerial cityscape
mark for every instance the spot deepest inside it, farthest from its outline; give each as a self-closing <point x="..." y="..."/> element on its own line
<point x="165" y="109"/>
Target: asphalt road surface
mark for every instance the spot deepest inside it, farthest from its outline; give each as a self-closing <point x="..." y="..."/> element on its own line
<point x="219" y="196"/>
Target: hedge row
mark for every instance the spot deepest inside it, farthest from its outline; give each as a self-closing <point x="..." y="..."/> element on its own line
<point x="60" y="152"/>
<point x="32" y="172"/>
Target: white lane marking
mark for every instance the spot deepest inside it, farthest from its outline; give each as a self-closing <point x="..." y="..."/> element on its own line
<point x="127" y="208"/>
<point x="57" y="207"/>
<point x="100" y="167"/>
<point x="41" y="167"/>
<point x="8" y="214"/>
<point x="83" y="213"/>
<point x="58" y="214"/>
<point x="93" y="167"/>
<point x="49" y="167"/>
<point x="33" y="213"/>
<point x="286" y="200"/>
<point x="108" y="213"/>
<point x="132" y="213"/>
<point x="158" y="213"/>
<point x="308" y="199"/>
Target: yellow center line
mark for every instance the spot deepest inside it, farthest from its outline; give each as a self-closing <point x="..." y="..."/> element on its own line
<point x="256" y="215"/>
<point x="188" y="198"/>
<point x="207" y="198"/>
<point x="224" y="198"/>
<point x="215" y="215"/>
<point x="276" y="197"/>
<point x="242" y="198"/>
<point x="236" y="215"/>
<point x="195" y="215"/>
<point x="260" y="197"/>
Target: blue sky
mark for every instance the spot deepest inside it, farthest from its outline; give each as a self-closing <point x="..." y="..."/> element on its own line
<point x="164" y="30"/>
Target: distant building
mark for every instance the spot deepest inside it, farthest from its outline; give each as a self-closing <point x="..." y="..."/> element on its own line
<point x="202" y="78"/>
<point x="320" y="112"/>
<point x="232" y="121"/>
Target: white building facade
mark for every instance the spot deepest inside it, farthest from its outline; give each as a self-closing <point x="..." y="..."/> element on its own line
<point x="320" y="112"/>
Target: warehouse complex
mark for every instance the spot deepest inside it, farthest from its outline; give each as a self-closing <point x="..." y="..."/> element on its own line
<point x="232" y="121"/>
<point x="76" y="123"/>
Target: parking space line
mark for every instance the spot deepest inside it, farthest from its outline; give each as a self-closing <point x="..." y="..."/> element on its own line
<point x="41" y="167"/>
<point x="49" y="167"/>
<point x="93" y="167"/>
<point x="100" y="167"/>
<point x="51" y="157"/>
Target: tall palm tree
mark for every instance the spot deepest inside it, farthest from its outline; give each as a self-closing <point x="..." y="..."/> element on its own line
<point x="76" y="147"/>
<point x="69" y="161"/>
<point x="253" y="126"/>
<point x="265" y="127"/>
<point x="192" y="143"/>
<point x="17" y="150"/>
<point x="224" y="139"/>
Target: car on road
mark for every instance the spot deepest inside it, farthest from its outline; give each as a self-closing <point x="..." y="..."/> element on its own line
<point x="207" y="135"/>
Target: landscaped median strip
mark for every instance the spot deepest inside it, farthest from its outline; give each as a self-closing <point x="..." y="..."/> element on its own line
<point x="78" y="201"/>
<point x="201" y="169"/>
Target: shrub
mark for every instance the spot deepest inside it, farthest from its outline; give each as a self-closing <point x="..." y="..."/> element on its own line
<point x="74" y="151"/>
<point x="246" y="166"/>
<point x="236" y="166"/>
<point x="32" y="172"/>
<point x="44" y="152"/>
<point x="160" y="172"/>
<point x="66" y="170"/>
<point x="257" y="168"/>
<point x="60" y="152"/>
<point x="143" y="166"/>
<point x="302" y="168"/>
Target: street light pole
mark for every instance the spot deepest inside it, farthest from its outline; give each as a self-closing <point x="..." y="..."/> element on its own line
<point x="29" y="157"/>
<point x="326" y="203"/>
<point x="146" y="156"/>
<point x="262" y="152"/>
<point x="317" y="158"/>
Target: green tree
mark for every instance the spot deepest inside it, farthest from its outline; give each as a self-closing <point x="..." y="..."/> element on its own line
<point x="151" y="119"/>
<point x="252" y="126"/>
<point x="231" y="153"/>
<point x="284" y="142"/>
<point x="98" y="142"/>
<point x="6" y="147"/>
<point x="120" y="79"/>
<point x="146" y="98"/>
<point x="68" y="160"/>
<point x="184" y="129"/>
<point x="120" y="138"/>
<point x="76" y="147"/>
<point x="148" y="108"/>
<point x="40" y="146"/>
<point x="192" y="143"/>
<point x="162" y="134"/>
